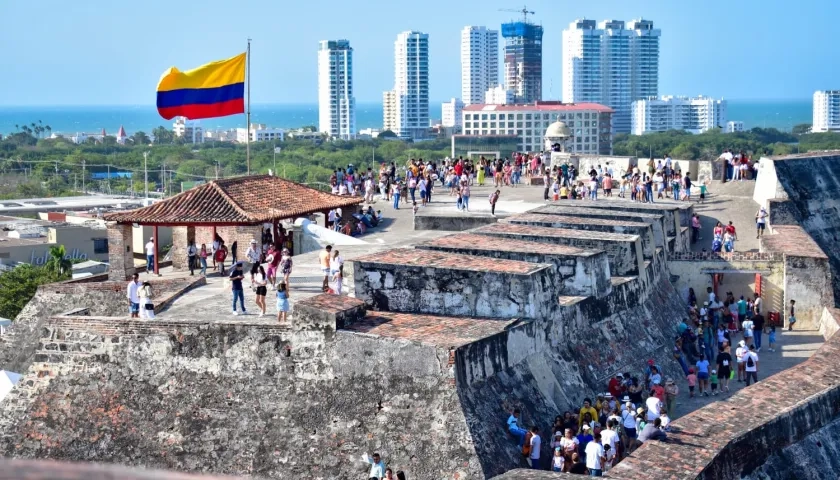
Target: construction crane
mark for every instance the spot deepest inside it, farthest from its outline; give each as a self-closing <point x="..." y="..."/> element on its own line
<point x="525" y="12"/>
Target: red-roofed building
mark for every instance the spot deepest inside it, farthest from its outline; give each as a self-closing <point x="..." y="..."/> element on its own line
<point x="590" y="123"/>
<point x="121" y="136"/>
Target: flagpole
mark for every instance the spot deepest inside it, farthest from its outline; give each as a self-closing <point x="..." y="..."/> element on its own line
<point x="248" y="111"/>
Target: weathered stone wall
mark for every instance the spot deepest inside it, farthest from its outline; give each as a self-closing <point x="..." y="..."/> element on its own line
<point x="452" y="284"/>
<point x="448" y="221"/>
<point x="576" y="271"/>
<point x="624" y="251"/>
<point x="120" y="256"/>
<point x="643" y="230"/>
<point x="656" y="221"/>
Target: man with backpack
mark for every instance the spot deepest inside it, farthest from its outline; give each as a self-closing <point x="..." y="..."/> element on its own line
<point x="751" y="365"/>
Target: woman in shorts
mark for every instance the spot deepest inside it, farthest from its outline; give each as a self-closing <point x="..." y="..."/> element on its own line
<point x="260" y="282"/>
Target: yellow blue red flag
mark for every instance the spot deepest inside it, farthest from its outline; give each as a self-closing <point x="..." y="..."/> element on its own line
<point x="216" y="89"/>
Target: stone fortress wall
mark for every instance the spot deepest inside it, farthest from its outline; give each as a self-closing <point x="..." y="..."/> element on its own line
<point x="423" y="365"/>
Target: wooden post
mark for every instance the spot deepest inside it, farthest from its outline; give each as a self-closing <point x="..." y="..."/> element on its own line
<point x="157" y="251"/>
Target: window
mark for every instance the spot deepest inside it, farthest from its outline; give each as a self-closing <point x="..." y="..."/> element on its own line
<point x="100" y="245"/>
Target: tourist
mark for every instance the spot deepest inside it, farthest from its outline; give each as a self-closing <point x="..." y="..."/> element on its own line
<point x="494" y="198"/>
<point x="740" y="352"/>
<point x="369" y="190"/>
<point x="760" y="222"/>
<point x="586" y="408"/>
<point x="272" y="258"/>
<point x="465" y="195"/>
<point x="260" y="288"/>
<point x="233" y="251"/>
<point x="792" y="315"/>
<point x="147" y="308"/>
<point x="758" y="330"/>
<point x="730" y="229"/>
<point x="220" y="256"/>
<point x="324" y="260"/>
<point x="703" y="375"/>
<point x="202" y="257"/>
<point x="534" y="447"/>
<point x="569" y="444"/>
<point x="654" y="407"/>
<point x="578" y="466"/>
<point x="678" y="354"/>
<point x="691" y="379"/>
<point x="611" y="438"/>
<point x="724" y="366"/>
<point x="687" y="187"/>
<point x="192" y="251"/>
<point x="337" y="271"/>
<point x="595" y="456"/>
<point x="236" y="277"/>
<point x="771" y="338"/>
<point x="217" y="244"/>
<point x="751" y="365"/>
<point x="671" y="392"/>
<point x="286" y="265"/>
<point x="558" y="461"/>
<point x="422" y="186"/>
<point x="514" y="428"/>
<point x="703" y="189"/>
<point x="150" y="255"/>
<point x="695" y="228"/>
<point x="133" y="297"/>
<point x="653" y="431"/>
<point x="713" y="381"/>
<point x="396" y="188"/>
<point x="282" y="302"/>
<point x="377" y="466"/>
<point x="749" y="328"/>
<point x="253" y="255"/>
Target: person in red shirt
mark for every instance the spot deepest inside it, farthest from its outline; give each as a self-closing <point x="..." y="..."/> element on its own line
<point x="459" y="168"/>
<point x="614" y="386"/>
<point x="730" y="229"/>
<point x="658" y="391"/>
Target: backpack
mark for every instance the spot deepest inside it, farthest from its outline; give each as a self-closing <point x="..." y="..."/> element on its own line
<point x="750" y="362"/>
<point x="526" y="446"/>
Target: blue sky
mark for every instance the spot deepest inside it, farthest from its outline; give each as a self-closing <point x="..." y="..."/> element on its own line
<point x="92" y="52"/>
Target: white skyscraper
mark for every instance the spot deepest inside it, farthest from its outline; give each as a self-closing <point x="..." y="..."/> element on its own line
<point x="479" y="62"/>
<point x="695" y="115"/>
<point x="826" y="111"/>
<point x="451" y="113"/>
<point x="336" y="104"/>
<point x="410" y="97"/>
<point x="612" y="63"/>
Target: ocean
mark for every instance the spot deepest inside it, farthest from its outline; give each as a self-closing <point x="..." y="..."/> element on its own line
<point x="781" y="114"/>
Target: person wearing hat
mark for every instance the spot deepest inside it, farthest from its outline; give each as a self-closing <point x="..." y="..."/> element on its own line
<point x="628" y="417"/>
<point x="671" y="393"/>
<point x="150" y="255"/>
<point x="236" y="277"/>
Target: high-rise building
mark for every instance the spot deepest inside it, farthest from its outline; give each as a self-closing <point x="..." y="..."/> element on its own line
<point x="826" y="111"/>
<point x="389" y="110"/>
<point x="336" y="104"/>
<point x="479" y="62"/>
<point x="523" y="60"/>
<point x="498" y="95"/>
<point x="613" y="63"/>
<point x="734" y="126"/>
<point x="451" y="113"/>
<point x="410" y="100"/>
<point x="695" y="115"/>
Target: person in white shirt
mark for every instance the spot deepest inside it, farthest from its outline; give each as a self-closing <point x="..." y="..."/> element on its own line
<point x="337" y="271"/>
<point x="628" y="418"/>
<point x="369" y="190"/>
<point x="751" y="365"/>
<point x="595" y="456"/>
<point x="377" y="466"/>
<point x="150" y="255"/>
<point x="610" y="437"/>
<point x="536" y="444"/>
<point x="133" y="298"/>
<point x="654" y="408"/>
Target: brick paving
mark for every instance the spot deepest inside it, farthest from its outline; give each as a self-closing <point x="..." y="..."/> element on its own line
<point x="471" y="241"/>
<point x="433" y="259"/>
<point x="430" y="329"/>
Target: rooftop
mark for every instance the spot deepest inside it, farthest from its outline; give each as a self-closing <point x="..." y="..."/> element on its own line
<point x="236" y="201"/>
<point x="555" y="219"/>
<point x="545" y="106"/>
<point x="432" y="259"/>
<point x="537" y="232"/>
<point x="471" y="241"/>
<point x="430" y="329"/>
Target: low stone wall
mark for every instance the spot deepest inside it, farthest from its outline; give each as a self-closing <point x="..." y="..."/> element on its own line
<point x="451" y="221"/>
<point x="576" y="271"/>
<point x="624" y="251"/>
<point x="656" y="221"/>
<point x="408" y="280"/>
<point x="643" y="230"/>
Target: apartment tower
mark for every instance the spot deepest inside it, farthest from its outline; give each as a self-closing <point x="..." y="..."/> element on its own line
<point x="336" y="104"/>
<point x="479" y="63"/>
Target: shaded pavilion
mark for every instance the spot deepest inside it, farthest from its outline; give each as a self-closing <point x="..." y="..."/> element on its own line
<point x="237" y="209"/>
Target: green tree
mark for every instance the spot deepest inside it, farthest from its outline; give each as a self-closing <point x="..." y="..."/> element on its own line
<point x="18" y="286"/>
<point x="58" y="262"/>
<point x="140" y="138"/>
<point x="801" y="128"/>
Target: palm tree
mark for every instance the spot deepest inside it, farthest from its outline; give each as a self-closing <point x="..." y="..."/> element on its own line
<point x="48" y="129"/>
<point x="58" y="262"/>
<point x="17" y="127"/>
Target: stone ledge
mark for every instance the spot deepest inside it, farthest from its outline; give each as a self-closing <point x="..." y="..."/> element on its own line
<point x="531" y="231"/>
<point x="560" y="220"/>
<point x="421" y="258"/>
<point x="725" y="257"/>
<point x="791" y="241"/>
<point x="471" y="241"/>
<point x="436" y="330"/>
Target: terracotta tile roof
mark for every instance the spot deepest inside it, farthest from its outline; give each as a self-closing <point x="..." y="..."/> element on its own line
<point x="237" y="201"/>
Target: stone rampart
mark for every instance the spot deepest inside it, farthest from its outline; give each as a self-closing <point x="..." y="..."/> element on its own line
<point x="577" y="271"/>
<point x="624" y="251"/>
<point x="656" y="221"/>
<point x="409" y="280"/>
<point x="449" y="221"/>
<point x="643" y="230"/>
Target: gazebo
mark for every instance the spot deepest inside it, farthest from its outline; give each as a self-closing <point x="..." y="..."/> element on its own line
<point x="234" y="208"/>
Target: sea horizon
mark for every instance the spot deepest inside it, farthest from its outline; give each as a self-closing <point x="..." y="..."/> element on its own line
<point x="68" y="120"/>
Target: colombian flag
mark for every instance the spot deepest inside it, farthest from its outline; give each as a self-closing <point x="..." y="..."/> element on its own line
<point x="216" y="89"/>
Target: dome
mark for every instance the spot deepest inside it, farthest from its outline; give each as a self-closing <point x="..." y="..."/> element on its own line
<point x="558" y="130"/>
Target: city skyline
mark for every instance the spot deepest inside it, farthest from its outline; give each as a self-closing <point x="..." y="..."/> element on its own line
<point x="111" y="54"/>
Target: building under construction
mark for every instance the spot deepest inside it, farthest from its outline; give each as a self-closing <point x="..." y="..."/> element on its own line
<point x="523" y="60"/>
